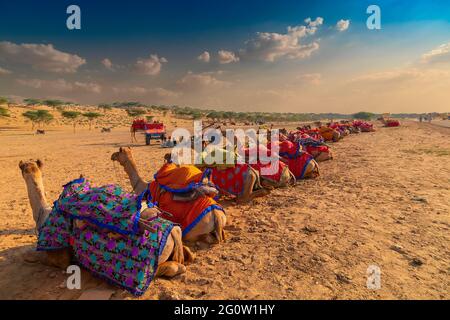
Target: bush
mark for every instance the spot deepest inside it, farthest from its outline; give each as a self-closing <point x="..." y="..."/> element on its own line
<point x="363" y="115"/>
<point x="4" y="112"/>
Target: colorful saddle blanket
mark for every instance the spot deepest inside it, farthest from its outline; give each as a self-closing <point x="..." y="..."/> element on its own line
<point x="299" y="163"/>
<point x="276" y="176"/>
<point x="230" y="180"/>
<point x="110" y="244"/>
<point x="171" y="180"/>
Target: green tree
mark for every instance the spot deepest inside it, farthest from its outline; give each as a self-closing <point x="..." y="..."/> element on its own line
<point x="53" y="103"/>
<point x="4" y="100"/>
<point x="149" y="118"/>
<point x="196" y="115"/>
<point x="4" y="112"/>
<point x="39" y="117"/>
<point x="73" y="116"/>
<point x="91" y="117"/>
<point x="136" y="112"/>
<point x="32" y="102"/>
<point x="363" y="115"/>
<point x="105" y="107"/>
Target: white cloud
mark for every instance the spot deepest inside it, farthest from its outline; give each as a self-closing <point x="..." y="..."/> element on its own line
<point x="310" y="78"/>
<point x="227" y="57"/>
<point x="313" y="24"/>
<point x="342" y="25"/>
<point x="269" y="46"/>
<point x="4" y="71"/>
<point x="108" y="64"/>
<point x="150" y="66"/>
<point x="158" y="93"/>
<point x="439" y="55"/>
<point x="61" y="85"/>
<point x="399" y="76"/>
<point x="43" y="57"/>
<point x="205" y="57"/>
<point x="197" y="81"/>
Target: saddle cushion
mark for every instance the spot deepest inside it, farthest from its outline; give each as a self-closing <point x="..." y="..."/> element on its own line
<point x="109" y="243"/>
<point x="171" y="180"/>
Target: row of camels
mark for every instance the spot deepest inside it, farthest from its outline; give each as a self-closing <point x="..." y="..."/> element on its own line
<point x="176" y="253"/>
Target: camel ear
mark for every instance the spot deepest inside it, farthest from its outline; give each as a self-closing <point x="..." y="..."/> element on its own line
<point x="21" y="165"/>
<point x="39" y="163"/>
<point x="120" y="149"/>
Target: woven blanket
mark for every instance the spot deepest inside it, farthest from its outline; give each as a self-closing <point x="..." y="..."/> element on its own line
<point x="109" y="244"/>
<point x="298" y="164"/>
<point x="230" y="180"/>
<point x="171" y="180"/>
<point x="276" y="177"/>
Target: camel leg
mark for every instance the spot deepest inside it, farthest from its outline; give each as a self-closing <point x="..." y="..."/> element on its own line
<point x="248" y="193"/>
<point x="208" y="230"/>
<point x="170" y="269"/>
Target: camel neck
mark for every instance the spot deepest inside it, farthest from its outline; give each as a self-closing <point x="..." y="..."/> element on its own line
<point x="138" y="184"/>
<point x="38" y="201"/>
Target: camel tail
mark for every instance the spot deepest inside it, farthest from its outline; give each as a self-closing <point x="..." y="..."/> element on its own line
<point x="219" y="231"/>
<point x="178" y="250"/>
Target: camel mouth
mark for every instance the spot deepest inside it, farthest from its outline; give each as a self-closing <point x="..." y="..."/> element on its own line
<point x="115" y="156"/>
<point x="30" y="167"/>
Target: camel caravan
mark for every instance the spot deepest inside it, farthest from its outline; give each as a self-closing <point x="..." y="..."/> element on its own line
<point x="128" y="239"/>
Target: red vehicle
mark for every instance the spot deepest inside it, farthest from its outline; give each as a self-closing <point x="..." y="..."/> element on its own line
<point x="155" y="130"/>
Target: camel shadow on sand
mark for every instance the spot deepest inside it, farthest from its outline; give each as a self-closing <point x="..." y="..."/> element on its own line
<point x="22" y="279"/>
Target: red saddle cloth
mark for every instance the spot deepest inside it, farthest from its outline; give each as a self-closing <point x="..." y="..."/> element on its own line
<point x="230" y="180"/>
<point x="276" y="177"/>
<point x="299" y="163"/>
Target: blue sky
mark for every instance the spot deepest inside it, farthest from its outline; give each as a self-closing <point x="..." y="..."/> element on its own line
<point x="168" y="36"/>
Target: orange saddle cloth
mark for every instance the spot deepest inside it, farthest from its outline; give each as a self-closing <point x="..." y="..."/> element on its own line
<point x="172" y="179"/>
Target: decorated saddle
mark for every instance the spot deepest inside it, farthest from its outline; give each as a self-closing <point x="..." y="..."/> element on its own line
<point x="228" y="177"/>
<point x="172" y="182"/>
<point x="296" y="158"/>
<point x="109" y="243"/>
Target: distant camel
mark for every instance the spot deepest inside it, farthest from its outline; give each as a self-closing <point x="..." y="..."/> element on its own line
<point x="106" y="130"/>
<point x="40" y="131"/>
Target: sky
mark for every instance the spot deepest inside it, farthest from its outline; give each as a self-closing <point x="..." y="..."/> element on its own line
<point x="269" y="56"/>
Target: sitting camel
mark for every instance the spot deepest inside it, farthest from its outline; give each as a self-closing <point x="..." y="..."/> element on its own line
<point x="209" y="228"/>
<point x="240" y="180"/>
<point x="172" y="256"/>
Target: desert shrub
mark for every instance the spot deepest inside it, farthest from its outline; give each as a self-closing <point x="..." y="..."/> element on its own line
<point x="363" y="115"/>
<point x="4" y="112"/>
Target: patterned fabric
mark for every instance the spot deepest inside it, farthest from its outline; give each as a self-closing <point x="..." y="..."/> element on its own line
<point x="109" y="244"/>
<point x="172" y="179"/>
<point x="276" y="177"/>
<point x="298" y="164"/>
<point x="230" y="180"/>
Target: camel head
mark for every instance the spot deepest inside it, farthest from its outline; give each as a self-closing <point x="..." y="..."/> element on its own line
<point x="123" y="156"/>
<point x="31" y="168"/>
<point x="168" y="158"/>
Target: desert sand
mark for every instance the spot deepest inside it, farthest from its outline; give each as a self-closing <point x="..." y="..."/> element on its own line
<point x="383" y="200"/>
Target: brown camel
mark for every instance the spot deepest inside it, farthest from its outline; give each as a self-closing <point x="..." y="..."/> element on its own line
<point x="171" y="260"/>
<point x="209" y="229"/>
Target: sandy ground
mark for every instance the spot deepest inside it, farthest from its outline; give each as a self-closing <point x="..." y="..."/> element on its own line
<point x="383" y="200"/>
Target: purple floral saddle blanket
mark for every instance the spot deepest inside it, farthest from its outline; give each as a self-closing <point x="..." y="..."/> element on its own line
<point x="109" y="244"/>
